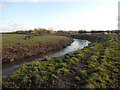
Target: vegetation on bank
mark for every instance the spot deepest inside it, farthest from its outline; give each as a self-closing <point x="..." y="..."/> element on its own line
<point x="95" y="66"/>
<point x="18" y="46"/>
<point x="13" y="40"/>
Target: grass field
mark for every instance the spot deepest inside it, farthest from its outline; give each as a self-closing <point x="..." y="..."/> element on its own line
<point x="18" y="46"/>
<point x="96" y="66"/>
<point x="18" y="39"/>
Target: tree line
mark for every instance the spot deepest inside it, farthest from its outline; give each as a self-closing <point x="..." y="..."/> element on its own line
<point x="38" y="31"/>
<point x="100" y="31"/>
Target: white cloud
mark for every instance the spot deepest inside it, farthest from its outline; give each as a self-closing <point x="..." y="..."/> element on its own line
<point x="34" y="0"/>
<point x="18" y="26"/>
<point x="2" y="5"/>
<point x="98" y="19"/>
<point x="61" y="16"/>
<point x="5" y="28"/>
<point x="12" y="27"/>
<point x="104" y="18"/>
<point x="1" y="18"/>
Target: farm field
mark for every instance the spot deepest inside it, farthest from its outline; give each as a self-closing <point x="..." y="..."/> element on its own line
<point x="18" y="39"/>
<point x="95" y="66"/>
<point x="18" y="46"/>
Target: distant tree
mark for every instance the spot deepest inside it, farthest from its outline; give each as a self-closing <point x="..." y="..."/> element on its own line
<point x="108" y="31"/>
<point x="81" y="31"/>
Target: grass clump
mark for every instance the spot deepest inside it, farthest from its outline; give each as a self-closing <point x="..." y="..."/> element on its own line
<point x="77" y="78"/>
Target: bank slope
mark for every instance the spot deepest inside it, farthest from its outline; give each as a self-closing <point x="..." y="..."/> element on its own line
<point x="95" y="66"/>
<point x="18" y="46"/>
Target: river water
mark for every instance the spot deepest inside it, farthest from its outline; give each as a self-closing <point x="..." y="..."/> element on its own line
<point x="10" y="68"/>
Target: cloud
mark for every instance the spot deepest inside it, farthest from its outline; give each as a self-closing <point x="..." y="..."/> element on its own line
<point x="98" y="19"/>
<point x="1" y="18"/>
<point x="2" y="5"/>
<point x="34" y="0"/>
<point x="104" y="18"/>
<point x="11" y="27"/>
<point x="61" y="16"/>
<point x="17" y="26"/>
<point x="5" y="28"/>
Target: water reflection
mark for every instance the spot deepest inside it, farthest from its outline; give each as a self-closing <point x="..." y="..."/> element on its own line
<point x="9" y="68"/>
<point x="76" y="45"/>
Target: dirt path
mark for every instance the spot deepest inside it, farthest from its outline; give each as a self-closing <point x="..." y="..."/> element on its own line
<point x="68" y="81"/>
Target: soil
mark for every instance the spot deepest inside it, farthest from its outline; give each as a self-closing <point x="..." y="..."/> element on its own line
<point x="11" y="54"/>
<point x="68" y="81"/>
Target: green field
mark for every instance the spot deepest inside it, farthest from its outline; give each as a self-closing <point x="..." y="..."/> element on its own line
<point x="96" y="66"/>
<point x="18" y="39"/>
<point x="19" y="46"/>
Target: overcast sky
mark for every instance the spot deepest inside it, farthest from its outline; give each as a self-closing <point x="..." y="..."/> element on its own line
<point x="58" y="15"/>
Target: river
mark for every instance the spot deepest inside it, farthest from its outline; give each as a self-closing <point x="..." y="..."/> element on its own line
<point x="10" y="68"/>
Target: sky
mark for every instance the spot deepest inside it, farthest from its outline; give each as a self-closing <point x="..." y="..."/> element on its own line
<point x="58" y="15"/>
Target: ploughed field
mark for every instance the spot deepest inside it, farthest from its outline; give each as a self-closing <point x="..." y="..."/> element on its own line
<point x="95" y="66"/>
<point x="18" y="46"/>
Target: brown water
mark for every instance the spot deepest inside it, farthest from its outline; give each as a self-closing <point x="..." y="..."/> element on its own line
<point x="10" y="68"/>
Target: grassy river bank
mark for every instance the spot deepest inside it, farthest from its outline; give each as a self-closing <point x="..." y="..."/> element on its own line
<point x="19" y="46"/>
<point x="95" y="66"/>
